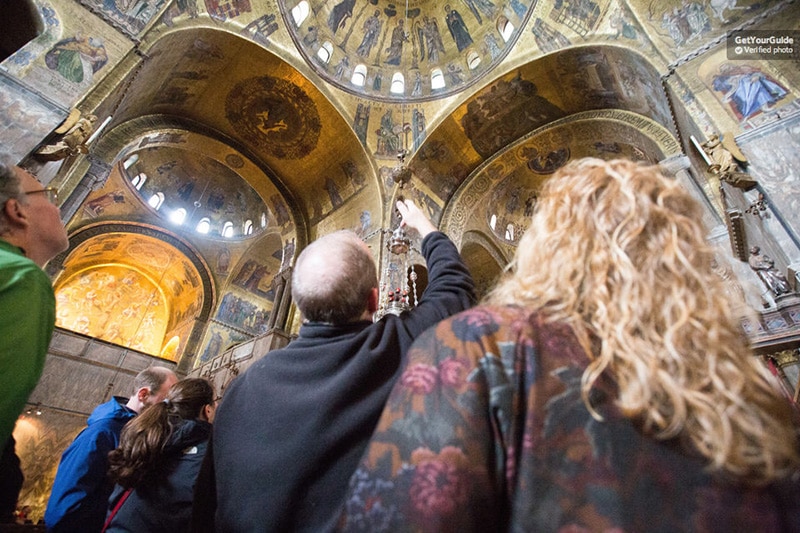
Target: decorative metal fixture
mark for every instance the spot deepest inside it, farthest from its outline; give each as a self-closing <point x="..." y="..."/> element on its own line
<point x="396" y="295"/>
<point x="759" y="206"/>
<point x="401" y="174"/>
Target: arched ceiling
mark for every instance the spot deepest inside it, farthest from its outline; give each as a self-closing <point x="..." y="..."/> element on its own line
<point x="245" y="97"/>
<point x="542" y="92"/>
<point x="129" y="288"/>
<point x="499" y="198"/>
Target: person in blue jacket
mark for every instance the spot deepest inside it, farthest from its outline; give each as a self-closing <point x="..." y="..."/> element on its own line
<point x="79" y="498"/>
<point x="158" y="459"/>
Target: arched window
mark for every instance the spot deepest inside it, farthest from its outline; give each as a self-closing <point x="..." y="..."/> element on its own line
<point x="130" y="161"/>
<point x="138" y="180"/>
<point x="473" y="60"/>
<point x="325" y="51"/>
<point x="19" y="25"/>
<point x="204" y="226"/>
<point x="398" y="83"/>
<point x="437" y="79"/>
<point x="493" y="222"/>
<point x="510" y="232"/>
<point x="156" y="200"/>
<point x="505" y="28"/>
<point x="359" y="75"/>
<point x="227" y="229"/>
<point x="300" y="12"/>
<point x="248" y="227"/>
<point x="263" y="220"/>
<point x="178" y="216"/>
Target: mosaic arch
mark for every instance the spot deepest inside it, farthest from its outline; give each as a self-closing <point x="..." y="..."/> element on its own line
<point x="499" y="197"/>
<point x="134" y="286"/>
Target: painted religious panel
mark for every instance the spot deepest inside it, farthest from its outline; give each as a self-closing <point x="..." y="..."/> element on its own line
<point x="132" y="16"/>
<point x="748" y="91"/>
<point x="25" y="118"/>
<point x="116" y="304"/>
<point x="678" y="27"/>
<point x="67" y="67"/>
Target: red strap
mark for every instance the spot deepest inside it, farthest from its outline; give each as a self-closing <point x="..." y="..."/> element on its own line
<point x="115" y="509"/>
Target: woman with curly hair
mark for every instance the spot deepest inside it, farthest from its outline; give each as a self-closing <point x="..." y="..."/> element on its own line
<point x="604" y="384"/>
<point x="158" y="459"/>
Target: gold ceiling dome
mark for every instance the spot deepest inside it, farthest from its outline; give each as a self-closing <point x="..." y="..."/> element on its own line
<point x="401" y="52"/>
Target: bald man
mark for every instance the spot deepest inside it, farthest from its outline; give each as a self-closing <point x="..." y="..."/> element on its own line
<point x="290" y="431"/>
<point x="31" y="233"/>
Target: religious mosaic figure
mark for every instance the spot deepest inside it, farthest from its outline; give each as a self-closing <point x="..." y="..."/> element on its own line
<point x="747" y="90"/>
<point x="341" y="67"/>
<point x="687" y="23"/>
<point x="388" y="138"/>
<point x="333" y="192"/>
<point x="429" y="36"/>
<point x="485" y="6"/>
<point x="77" y="57"/>
<point x="339" y="14"/>
<point x="492" y="46"/>
<point x="372" y="30"/>
<point x="395" y="49"/>
<point x="764" y="267"/>
<point x="457" y="28"/>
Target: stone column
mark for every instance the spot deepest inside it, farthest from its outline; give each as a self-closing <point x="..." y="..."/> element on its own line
<point x="286" y="299"/>
<point x="278" y="285"/>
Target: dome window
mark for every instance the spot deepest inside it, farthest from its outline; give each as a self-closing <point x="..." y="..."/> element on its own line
<point x="437" y="79"/>
<point x="178" y="216"/>
<point x="398" y="84"/>
<point x="227" y="229"/>
<point x="130" y="161"/>
<point x="473" y="60"/>
<point x="263" y="220"/>
<point x="505" y="28"/>
<point x="493" y="222"/>
<point x="248" y="227"/>
<point x="300" y="13"/>
<point x="510" y="232"/>
<point x="138" y="180"/>
<point x="325" y="51"/>
<point x="204" y="226"/>
<point x="359" y="75"/>
<point x="156" y="200"/>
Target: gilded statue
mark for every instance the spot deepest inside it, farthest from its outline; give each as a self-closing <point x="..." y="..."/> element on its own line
<point x="73" y="132"/>
<point x="726" y="159"/>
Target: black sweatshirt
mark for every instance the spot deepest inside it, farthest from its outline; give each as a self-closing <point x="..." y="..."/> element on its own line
<point x="291" y="430"/>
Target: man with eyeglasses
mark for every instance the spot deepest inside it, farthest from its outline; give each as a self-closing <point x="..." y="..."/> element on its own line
<point x="31" y="233"/>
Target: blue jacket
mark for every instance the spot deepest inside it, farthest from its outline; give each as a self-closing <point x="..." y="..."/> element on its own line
<point x="79" y="499"/>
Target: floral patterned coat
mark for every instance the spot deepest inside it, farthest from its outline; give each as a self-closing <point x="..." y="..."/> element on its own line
<point x="486" y="430"/>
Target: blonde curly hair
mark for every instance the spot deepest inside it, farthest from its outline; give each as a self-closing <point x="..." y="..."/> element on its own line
<point x="618" y="251"/>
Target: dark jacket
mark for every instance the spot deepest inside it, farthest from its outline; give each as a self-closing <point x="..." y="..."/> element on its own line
<point x="79" y="499"/>
<point x="290" y="430"/>
<point x="164" y="503"/>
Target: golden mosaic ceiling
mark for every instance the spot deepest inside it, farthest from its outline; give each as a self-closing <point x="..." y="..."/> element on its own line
<point x="401" y="52"/>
